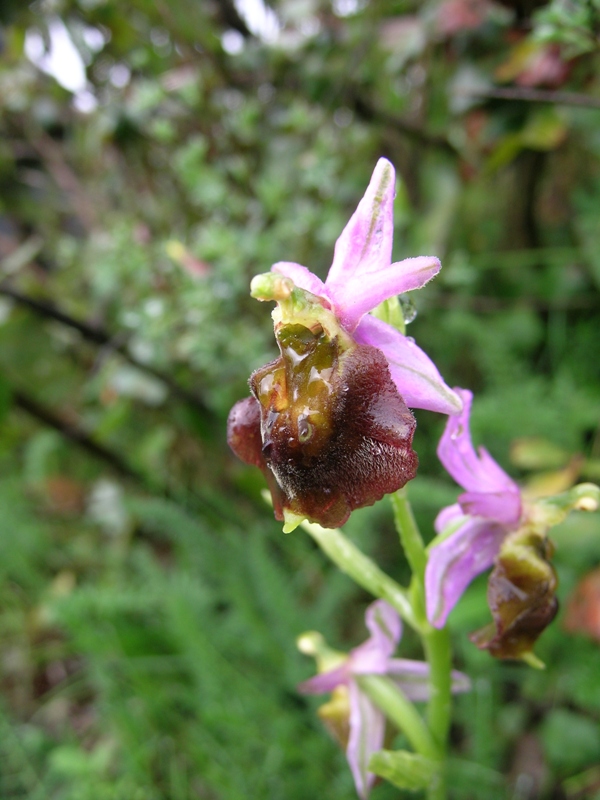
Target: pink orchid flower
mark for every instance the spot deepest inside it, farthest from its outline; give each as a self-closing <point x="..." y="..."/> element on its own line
<point x="374" y="657"/>
<point x="362" y="276"/>
<point x="489" y="509"/>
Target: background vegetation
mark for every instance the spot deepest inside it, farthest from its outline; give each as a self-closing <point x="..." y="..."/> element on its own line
<point x="148" y="602"/>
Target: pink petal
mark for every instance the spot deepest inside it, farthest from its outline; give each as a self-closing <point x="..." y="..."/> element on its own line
<point x="474" y="471"/>
<point x="448" y="516"/>
<point x="385" y="628"/>
<point x="325" y="681"/>
<point x="302" y="277"/>
<point x="455" y="561"/>
<point x="414" y="373"/>
<point x="358" y="293"/>
<point x="367" y="728"/>
<point x="412" y="678"/>
<point x="460" y="682"/>
<point x="503" y="507"/>
<point x="365" y="244"/>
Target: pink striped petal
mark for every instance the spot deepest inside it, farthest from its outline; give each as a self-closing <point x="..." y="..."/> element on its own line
<point x="385" y="628"/>
<point x="414" y="373"/>
<point x="365" y="244"/>
<point x="363" y="290"/>
<point x="503" y="507"/>
<point x="448" y="516"/>
<point x="412" y="678"/>
<point x="326" y="681"/>
<point x="455" y="561"/>
<point x="474" y="471"/>
<point x="367" y="728"/>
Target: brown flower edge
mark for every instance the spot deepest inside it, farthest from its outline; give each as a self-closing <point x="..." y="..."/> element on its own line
<point x="521" y="597"/>
<point x="326" y="425"/>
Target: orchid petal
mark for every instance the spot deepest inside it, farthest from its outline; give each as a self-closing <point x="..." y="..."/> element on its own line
<point x="455" y="561"/>
<point x="460" y="682"/>
<point x="448" y="516"/>
<point x="302" y="277"/>
<point x="503" y="507"/>
<point x="365" y="244"/>
<point x="412" y="678"/>
<point x="385" y="628"/>
<point x="325" y="681"/>
<point x="367" y="728"/>
<point x="414" y="373"/>
<point x="365" y="290"/>
<point x="474" y="471"/>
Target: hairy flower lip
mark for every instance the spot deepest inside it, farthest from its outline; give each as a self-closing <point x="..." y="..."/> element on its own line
<point x="329" y="427"/>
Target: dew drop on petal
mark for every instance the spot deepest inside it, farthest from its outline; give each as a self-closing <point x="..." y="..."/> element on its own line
<point x="409" y="310"/>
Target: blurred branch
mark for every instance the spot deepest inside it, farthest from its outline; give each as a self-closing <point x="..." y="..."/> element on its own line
<point x="366" y="111"/>
<point x="230" y="16"/>
<point x="104" y="339"/>
<point x="539" y="96"/>
<point x="74" y="434"/>
<point x="209" y="504"/>
<point x="64" y="177"/>
<point x="483" y="304"/>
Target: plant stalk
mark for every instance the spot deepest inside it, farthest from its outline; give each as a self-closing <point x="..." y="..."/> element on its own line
<point x="436" y="643"/>
<point x="354" y="563"/>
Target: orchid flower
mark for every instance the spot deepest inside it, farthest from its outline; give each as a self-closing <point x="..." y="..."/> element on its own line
<point x="362" y="276"/>
<point x="490" y="508"/>
<point x="493" y="524"/>
<point x="328" y="422"/>
<point x="357" y="721"/>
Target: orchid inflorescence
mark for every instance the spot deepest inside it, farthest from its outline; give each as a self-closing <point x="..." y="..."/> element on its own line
<point x="329" y="424"/>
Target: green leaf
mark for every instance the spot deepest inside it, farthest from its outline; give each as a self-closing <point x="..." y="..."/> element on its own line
<point x="571" y="741"/>
<point x="405" y="770"/>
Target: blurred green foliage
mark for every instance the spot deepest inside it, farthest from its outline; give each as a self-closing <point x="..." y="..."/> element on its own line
<point x="149" y="603"/>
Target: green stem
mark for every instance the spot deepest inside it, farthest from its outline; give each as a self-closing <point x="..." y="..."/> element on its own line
<point x="361" y="569"/>
<point x="409" y="533"/>
<point x="437" y="651"/>
<point x="398" y="708"/>
<point x="436" y="643"/>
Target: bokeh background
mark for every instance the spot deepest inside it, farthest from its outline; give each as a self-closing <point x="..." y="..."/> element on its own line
<point x="154" y="156"/>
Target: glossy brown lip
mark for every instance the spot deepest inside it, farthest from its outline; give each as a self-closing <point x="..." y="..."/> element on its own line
<point x="327" y="428"/>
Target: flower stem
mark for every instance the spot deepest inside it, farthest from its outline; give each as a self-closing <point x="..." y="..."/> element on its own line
<point x="361" y="569"/>
<point x="398" y="708"/>
<point x="409" y="533"/>
<point x="437" y="651"/>
<point x="436" y="643"/>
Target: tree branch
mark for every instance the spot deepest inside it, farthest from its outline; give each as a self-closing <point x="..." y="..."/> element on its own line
<point x="210" y="505"/>
<point x="75" y="434"/>
<point x="539" y="96"/>
<point x="364" y="109"/>
<point x="104" y="339"/>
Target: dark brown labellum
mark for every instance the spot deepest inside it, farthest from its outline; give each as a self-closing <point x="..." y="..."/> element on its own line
<point x="327" y="427"/>
<point x="521" y="596"/>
